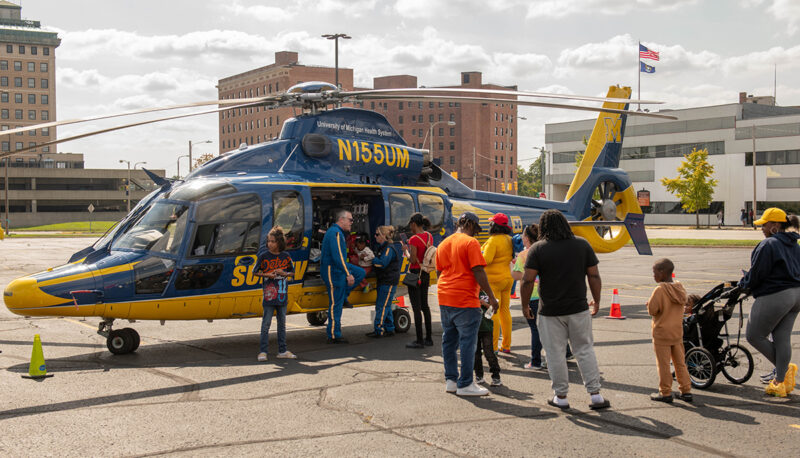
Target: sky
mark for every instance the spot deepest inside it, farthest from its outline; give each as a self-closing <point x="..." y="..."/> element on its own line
<point x="120" y="55"/>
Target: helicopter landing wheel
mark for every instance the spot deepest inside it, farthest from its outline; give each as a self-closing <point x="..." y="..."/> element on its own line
<point x="122" y="341"/>
<point x="402" y="320"/>
<point x="317" y="318"/>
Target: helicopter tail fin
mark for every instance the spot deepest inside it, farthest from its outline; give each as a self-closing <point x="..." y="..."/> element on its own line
<point x="604" y="147"/>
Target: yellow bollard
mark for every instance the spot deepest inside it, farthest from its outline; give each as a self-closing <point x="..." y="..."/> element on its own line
<point x="37" y="368"/>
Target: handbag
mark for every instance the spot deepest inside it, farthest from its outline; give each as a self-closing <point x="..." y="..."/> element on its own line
<point x="411" y="279"/>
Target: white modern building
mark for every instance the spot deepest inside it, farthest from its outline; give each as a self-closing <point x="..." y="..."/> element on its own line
<point x="654" y="148"/>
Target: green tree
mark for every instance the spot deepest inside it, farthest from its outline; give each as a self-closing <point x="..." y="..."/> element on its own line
<point x="529" y="181"/>
<point x="579" y="156"/>
<point x="202" y="159"/>
<point x="694" y="186"/>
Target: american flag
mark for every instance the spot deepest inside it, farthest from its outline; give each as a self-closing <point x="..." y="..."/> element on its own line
<point x="645" y="53"/>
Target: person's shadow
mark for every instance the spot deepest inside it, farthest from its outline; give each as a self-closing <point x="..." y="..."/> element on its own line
<point x="624" y="425"/>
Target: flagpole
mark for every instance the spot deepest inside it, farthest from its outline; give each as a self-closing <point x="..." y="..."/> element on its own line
<point x="639" y="74"/>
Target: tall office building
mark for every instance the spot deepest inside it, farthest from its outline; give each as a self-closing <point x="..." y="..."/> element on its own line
<point x="457" y="133"/>
<point x="254" y="125"/>
<point x="27" y="79"/>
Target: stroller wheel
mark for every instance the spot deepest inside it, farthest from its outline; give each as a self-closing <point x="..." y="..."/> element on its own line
<point x="736" y="363"/>
<point x="701" y="366"/>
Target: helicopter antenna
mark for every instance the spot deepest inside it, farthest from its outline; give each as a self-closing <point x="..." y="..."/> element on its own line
<point x="280" y="170"/>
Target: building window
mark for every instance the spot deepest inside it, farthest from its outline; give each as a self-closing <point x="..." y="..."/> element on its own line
<point x="452" y="116"/>
<point x="6" y="146"/>
<point x="3" y="81"/>
<point x="45" y="149"/>
<point x="18" y="65"/>
<point x="3" y="65"/>
<point x="400" y="120"/>
<point x="34" y="50"/>
<point x="18" y="146"/>
<point x="44" y="83"/>
<point x="17" y="114"/>
<point x="501" y="174"/>
<point x="452" y="131"/>
<point x="31" y="66"/>
<point x="4" y="113"/>
<point x="452" y="146"/>
<point x="400" y="106"/>
<point x="32" y="115"/>
<point x="4" y="97"/>
<point x="17" y="98"/>
<point x="22" y="49"/>
<point x="46" y="51"/>
<point x="45" y="131"/>
<point x="45" y="115"/>
<point x="17" y="81"/>
<point x="495" y="130"/>
<point x="32" y="133"/>
<point x="10" y="49"/>
<point x="452" y="160"/>
<point x="43" y="67"/>
<point x="45" y="99"/>
<point x="419" y="133"/>
<point x="32" y="99"/>
<point x="441" y="146"/>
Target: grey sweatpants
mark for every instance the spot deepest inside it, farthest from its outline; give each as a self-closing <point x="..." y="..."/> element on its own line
<point x="774" y="314"/>
<point x="555" y="332"/>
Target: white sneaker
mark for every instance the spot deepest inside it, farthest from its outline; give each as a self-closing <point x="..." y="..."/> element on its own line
<point x="287" y="355"/>
<point x="451" y="386"/>
<point x="262" y="357"/>
<point x="480" y="381"/>
<point x="472" y="390"/>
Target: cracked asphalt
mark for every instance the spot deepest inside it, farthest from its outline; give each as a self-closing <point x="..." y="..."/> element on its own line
<point x="196" y="389"/>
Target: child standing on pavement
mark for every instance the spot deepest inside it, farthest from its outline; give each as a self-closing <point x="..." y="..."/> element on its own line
<point x="486" y="346"/>
<point x="666" y="306"/>
<point x="275" y="267"/>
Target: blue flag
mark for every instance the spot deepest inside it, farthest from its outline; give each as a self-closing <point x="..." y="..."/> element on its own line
<point x="644" y="68"/>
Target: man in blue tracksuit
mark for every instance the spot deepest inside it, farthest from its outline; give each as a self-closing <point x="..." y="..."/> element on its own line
<point x="340" y="277"/>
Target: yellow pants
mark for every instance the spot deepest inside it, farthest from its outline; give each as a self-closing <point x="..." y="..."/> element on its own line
<point x="502" y="319"/>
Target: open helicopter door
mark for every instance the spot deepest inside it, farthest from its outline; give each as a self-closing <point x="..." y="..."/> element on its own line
<point x="291" y="211"/>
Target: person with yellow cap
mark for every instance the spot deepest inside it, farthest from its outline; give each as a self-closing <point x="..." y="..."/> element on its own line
<point x="774" y="282"/>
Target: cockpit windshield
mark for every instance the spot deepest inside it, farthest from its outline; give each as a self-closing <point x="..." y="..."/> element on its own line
<point x="161" y="229"/>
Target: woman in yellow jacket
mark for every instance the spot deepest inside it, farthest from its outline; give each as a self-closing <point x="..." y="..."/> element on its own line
<point x="498" y="252"/>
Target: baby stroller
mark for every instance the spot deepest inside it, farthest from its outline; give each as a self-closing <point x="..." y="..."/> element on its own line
<point x="707" y="339"/>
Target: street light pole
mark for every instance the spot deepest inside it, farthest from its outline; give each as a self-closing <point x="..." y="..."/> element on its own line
<point x="178" y="171"/>
<point x="430" y="133"/>
<point x="508" y="146"/>
<point x="335" y="37"/>
<point x="190" y="151"/>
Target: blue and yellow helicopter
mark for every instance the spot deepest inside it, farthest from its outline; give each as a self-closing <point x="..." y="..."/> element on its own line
<point x="187" y="251"/>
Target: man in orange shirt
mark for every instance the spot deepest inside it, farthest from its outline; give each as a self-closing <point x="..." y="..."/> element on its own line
<point x="459" y="267"/>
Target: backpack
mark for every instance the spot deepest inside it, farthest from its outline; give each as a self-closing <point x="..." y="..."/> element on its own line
<point x="428" y="261"/>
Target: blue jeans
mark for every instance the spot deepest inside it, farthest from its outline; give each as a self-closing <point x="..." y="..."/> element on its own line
<point x="536" y="344"/>
<point x="266" y="321"/>
<point x="336" y="284"/>
<point x="460" y="326"/>
<point x="384" y="320"/>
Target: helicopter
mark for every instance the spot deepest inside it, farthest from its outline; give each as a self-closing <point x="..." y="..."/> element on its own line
<point x="188" y="250"/>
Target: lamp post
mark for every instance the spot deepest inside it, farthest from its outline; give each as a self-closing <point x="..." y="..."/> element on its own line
<point x="335" y="37"/>
<point x="178" y="172"/>
<point x="128" y="183"/>
<point x="508" y="146"/>
<point x="190" y="151"/>
<point x="430" y="132"/>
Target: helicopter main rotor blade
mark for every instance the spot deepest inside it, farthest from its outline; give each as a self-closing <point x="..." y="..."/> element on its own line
<point x="135" y="112"/>
<point x="518" y="102"/>
<point x="112" y="129"/>
<point x="500" y="92"/>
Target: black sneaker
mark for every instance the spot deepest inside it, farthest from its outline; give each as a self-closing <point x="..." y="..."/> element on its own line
<point x="428" y="342"/>
<point x="415" y="344"/>
<point x="661" y="398"/>
<point x="373" y="334"/>
<point x="388" y="334"/>
<point x="337" y="340"/>
<point x="687" y="397"/>
<point x="347" y="304"/>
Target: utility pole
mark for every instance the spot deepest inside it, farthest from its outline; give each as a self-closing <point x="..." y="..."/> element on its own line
<point x="128" y="184"/>
<point x="753" y="133"/>
<point x="335" y="37"/>
<point x="474" y="170"/>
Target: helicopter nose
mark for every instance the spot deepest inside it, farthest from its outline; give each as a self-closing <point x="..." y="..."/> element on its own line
<point x="22" y="293"/>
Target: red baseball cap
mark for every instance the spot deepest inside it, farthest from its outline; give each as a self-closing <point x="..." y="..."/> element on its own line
<point x="500" y="219"/>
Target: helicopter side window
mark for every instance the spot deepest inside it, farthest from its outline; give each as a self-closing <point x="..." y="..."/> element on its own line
<point x="401" y="207"/>
<point x="161" y="229"/>
<point x="198" y="276"/>
<point x="432" y="207"/>
<point x="287" y="211"/>
<point x="152" y="275"/>
<point x="230" y="225"/>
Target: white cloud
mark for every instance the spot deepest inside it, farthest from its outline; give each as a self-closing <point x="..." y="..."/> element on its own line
<point x="563" y="8"/>
<point x="261" y="12"/>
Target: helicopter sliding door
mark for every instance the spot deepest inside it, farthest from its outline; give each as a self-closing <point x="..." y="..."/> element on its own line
<point x="290" y="212"/>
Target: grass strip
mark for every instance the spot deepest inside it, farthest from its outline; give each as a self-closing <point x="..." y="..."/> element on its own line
<point x="702" y="242"/>
<point x="78" y="226"/>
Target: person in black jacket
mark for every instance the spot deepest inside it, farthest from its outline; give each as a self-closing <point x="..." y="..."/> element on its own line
<point x="774" y="282"/>
<point x="387" y="270"/>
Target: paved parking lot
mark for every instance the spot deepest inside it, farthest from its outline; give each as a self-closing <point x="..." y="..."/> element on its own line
<point x="195" y="388"/>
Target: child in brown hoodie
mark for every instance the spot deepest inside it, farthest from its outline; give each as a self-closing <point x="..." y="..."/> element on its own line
<point x="666" y="307"/>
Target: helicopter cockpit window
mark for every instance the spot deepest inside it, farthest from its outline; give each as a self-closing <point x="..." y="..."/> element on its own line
<point x="432" y="207"/>
<point x="152" y="275"/>
<point x="227" y="226"/>
<point x="401" y="207"/>
<point x="200" y="189"/>
<point x="288" y="215"/>
<point x="161" y="229"/>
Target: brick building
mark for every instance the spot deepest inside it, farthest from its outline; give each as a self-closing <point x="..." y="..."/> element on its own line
<point x="27" y="78"/>
<point x="255" y="124"/>
<point x="461" y="131"/>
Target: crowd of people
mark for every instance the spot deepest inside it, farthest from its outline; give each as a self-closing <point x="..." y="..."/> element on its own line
<point x="475" y="286"/>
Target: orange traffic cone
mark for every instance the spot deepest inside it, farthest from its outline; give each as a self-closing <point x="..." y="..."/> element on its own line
<point x="616" y="311"/>
<point x="401" y="301"/>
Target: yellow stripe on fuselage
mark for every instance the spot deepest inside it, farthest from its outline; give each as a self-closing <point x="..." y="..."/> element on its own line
<point x="88" y="274"/>
<point x="352" y="185"/>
